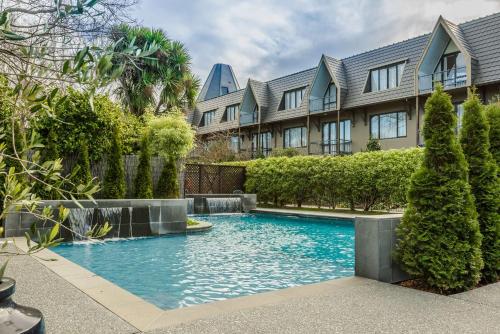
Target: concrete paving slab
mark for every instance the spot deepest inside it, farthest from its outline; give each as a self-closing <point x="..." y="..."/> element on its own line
<point x="66" y="309"/>
<point x="486" y="295"/>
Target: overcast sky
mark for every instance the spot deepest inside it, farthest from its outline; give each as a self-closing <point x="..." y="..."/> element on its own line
<point x="267" y="39"/>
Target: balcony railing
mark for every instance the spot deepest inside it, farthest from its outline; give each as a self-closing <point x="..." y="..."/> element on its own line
<point x="248" y="118"/>
<point x="456" y="77"/>
<point x="322" y="104"/>
<point x="330" y="147"/>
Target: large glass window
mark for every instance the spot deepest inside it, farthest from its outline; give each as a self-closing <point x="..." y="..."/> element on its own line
<point x="295" y="137"/>
<point x="386" y="77"/>
<point x="264" y="143"/>
<point x="293" y="98"/>
<point x="330" y="99"/>
<point x="329" y="136"/>
<point x="235" y="143"/>
<point x="232" y="112"/>
<point x="450" y="70"/>
<point x="391" y="125"/>
<point x="208" y="118"/>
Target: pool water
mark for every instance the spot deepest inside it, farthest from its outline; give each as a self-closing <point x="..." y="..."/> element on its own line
<point x="242" y="254"/>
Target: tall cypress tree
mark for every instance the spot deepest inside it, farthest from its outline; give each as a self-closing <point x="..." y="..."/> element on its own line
<point x="81" y="173"/>
<point x="484" y="183"/>
<point x="493" y="115"/>
<point x="144" y="179"/>
<point x="114" y="179"/>
<point x="168" y="185"/>
<point x="439" y="238"/>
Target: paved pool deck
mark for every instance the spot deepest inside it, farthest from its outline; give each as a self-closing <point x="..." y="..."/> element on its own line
<point x="322" y="214"/>
<point x="348" y="305"/>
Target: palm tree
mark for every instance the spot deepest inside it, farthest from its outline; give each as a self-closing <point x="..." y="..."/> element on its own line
<point x="163" y="79"/>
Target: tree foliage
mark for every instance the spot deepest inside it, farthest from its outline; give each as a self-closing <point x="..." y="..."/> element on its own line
<point x="144" y="179"/>
<point x="162" y="80"/>
<point x="168" y="184"/>
<point x="439" y="237"/>
<point x="475" y="143"/>
<point x="493" y="116"/>
<point x="114" y="179"/>
<point x="172" y="137"/>
<point x="373" y="145"/>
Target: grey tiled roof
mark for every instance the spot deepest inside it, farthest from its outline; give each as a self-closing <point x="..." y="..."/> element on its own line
<point x="480" y="37"/>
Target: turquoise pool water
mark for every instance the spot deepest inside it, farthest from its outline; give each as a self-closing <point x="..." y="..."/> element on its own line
<point x="242" y="254"/>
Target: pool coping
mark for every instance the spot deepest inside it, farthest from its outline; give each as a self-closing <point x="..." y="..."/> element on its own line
<point x="145" y="316"/>
<point x="321" y="214"/>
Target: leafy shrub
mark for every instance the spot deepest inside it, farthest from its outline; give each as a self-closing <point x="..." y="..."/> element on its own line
<point x="171" y="136"/>
<point x="285" y="152"/>
<point x="493" y="115"/>
<point x="114" y="179"/>
<point x="360" y="180"/>
<point x="439" y="233"/>
<point x="75" y="118"/>
<point x="168" y="185"/>
<point x="144" y="179"/>
<point x="484" y="183"/>
<point x="373" y="145"/>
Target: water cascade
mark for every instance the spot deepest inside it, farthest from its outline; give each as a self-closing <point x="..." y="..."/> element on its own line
<point x="80" y="222"/>
<point x="113" y="217"/>
<point x="224" y="205"/>
<point x="190" y="206"/>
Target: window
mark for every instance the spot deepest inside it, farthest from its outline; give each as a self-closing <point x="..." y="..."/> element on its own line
<point x="208" y="118"/>
<point x="450" y="70"/>
<point x="231" y="112"/>
<point x="293" y="98"/>
<point x="295" y="137"/>
<point x="235" y="143"/>
<point x="392" y="125"/>
<point x="386" y="77"/>
<point x="264" y="143"/>
<point x="224" y="90"/>
<point x="329" y="137"/>
<point x="330" y="100"/>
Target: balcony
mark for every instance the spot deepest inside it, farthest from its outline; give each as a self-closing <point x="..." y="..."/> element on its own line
<point x="248" y="118"/>
<point x="330" y="147"/>
<point x="322" y="104"/>
<point x="454" y="78"/>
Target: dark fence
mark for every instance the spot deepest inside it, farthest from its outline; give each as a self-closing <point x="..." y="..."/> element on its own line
<point x="130" y="162"/>
<point x="213" y="179"/>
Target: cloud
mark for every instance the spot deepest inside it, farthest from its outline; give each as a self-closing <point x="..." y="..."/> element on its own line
<point x="267" y="39"/>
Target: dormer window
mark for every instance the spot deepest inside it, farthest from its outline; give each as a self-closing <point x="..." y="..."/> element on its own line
<point x="293" y="98"/>
<point x="386" y="77"/>
<point x="208" y="118"/>
<point x="231" y="113"/>
<point x="451" y="70"/>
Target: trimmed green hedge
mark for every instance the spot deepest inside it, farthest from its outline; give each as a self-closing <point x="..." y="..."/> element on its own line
<point x="367" y="180"/>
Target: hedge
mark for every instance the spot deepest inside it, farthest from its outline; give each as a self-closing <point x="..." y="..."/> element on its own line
<point x="367" y="180"/>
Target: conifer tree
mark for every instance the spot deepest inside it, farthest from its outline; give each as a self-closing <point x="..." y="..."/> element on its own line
<point x="484" y="183"/>
<point x="493" y="115"/>
<point x="439" y="237"/>
<point x="168" y="185"/>
<point x="114" y="179"/>
<point x="81" y="173"/>
<point x="144" y="178"/>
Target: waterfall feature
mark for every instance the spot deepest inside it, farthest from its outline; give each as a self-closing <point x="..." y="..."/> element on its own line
<point x="155" y="221"/>
<point x="224" y="205"/>
<point x="81" y="222"/>
<point x="190" y="206"/>
<point x="113" y="217"/>
<point x="130" y="209"/>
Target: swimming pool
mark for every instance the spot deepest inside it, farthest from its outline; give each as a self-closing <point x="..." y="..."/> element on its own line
<point x="242" y="254"/>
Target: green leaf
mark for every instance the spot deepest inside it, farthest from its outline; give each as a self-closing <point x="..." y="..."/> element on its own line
<point x="3" y="18"/>
<point x="54" y="232"/>
<point x="2" y="269"/>
<point x="12" y="36"/>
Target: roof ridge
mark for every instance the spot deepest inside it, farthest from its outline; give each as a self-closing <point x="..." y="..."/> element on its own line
<point x="478" y="18"/>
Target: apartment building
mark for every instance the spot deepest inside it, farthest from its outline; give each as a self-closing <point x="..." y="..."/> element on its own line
<point x="337" y="106"/>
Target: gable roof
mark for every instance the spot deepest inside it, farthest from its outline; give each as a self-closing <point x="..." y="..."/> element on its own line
<point x="479" y="38"/>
